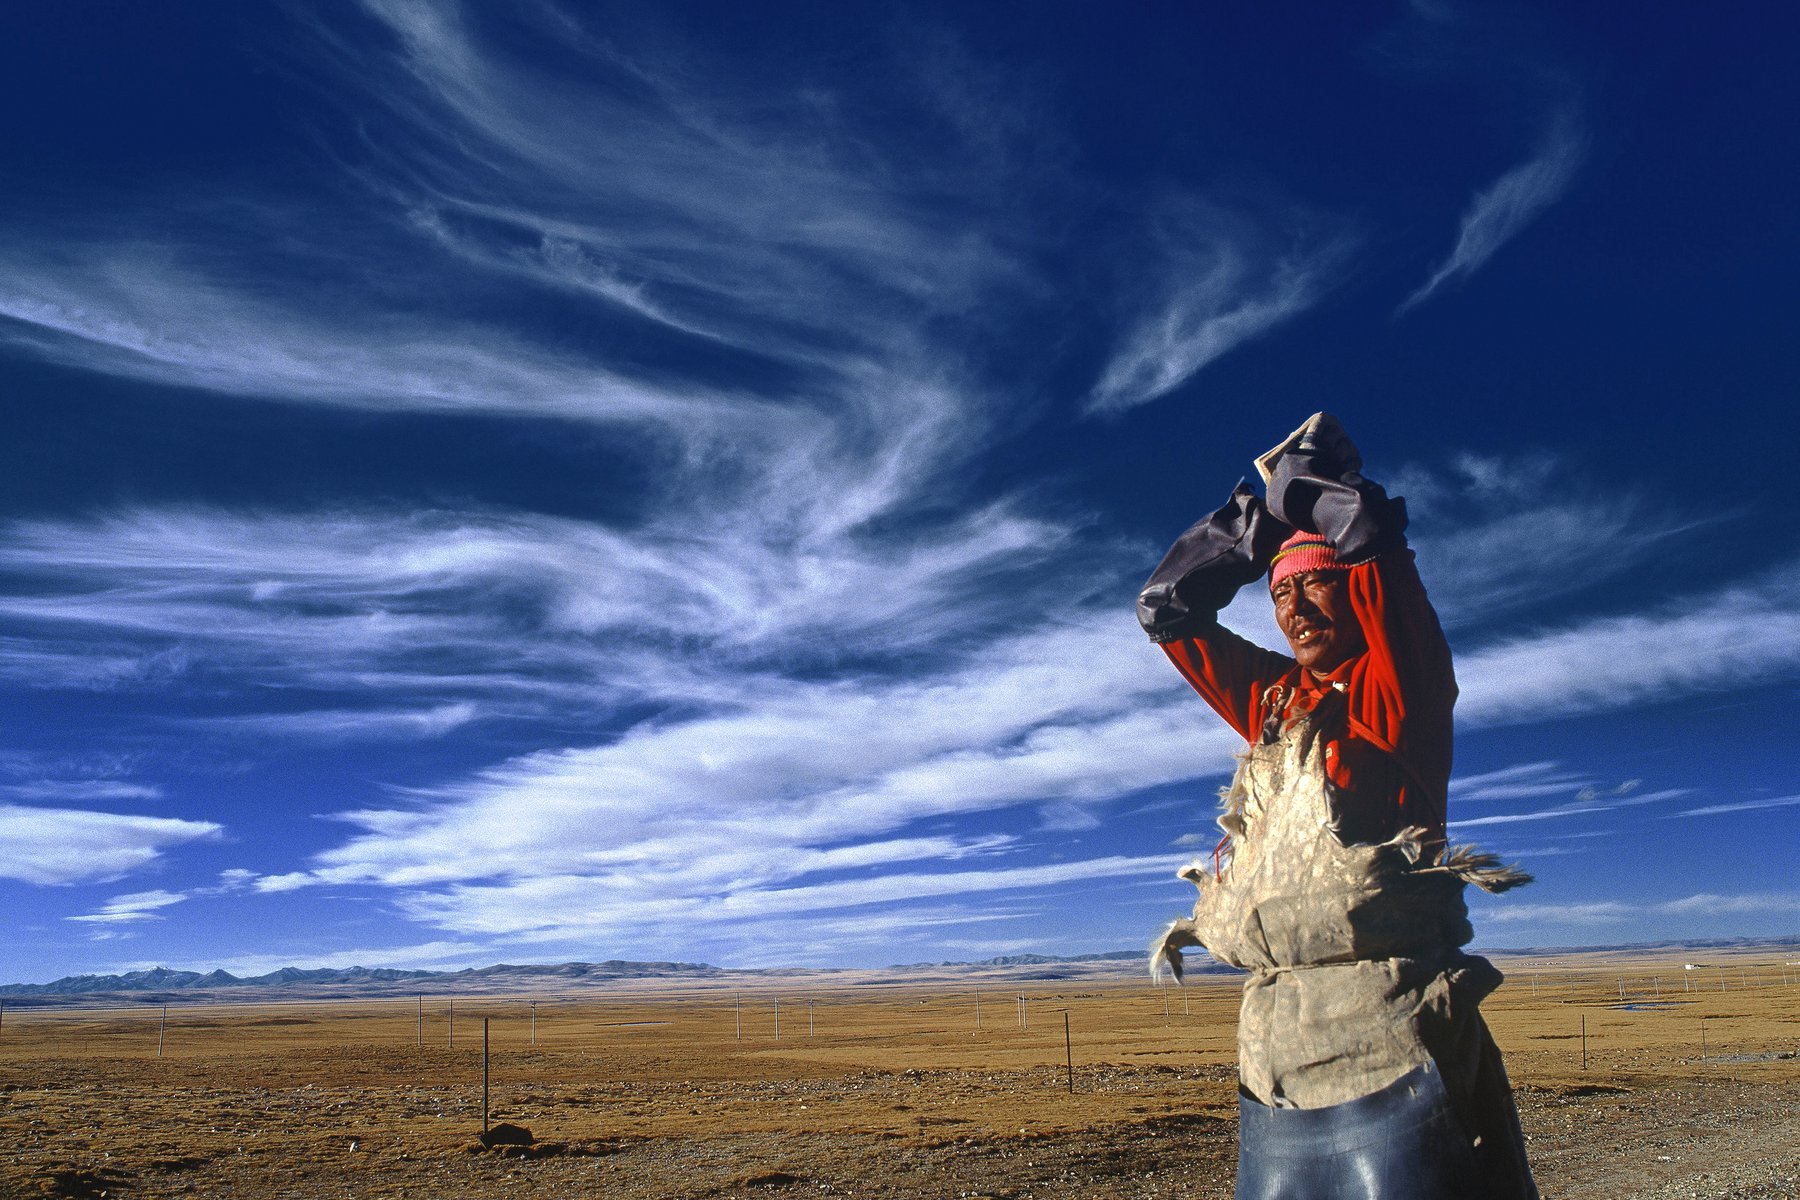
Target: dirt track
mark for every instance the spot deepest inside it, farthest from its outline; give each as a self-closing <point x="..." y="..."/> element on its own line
<point x="877" y="1091"/>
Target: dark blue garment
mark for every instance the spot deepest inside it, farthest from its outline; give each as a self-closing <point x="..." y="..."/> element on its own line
<point x="1400" y="1143"/>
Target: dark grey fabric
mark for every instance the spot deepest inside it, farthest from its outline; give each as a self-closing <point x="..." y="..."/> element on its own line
<point x="1314" y="485"/>
<point x="1400" y="1143"/>
<point x="1207" y="565"/>
<point x="1317" y="485"/>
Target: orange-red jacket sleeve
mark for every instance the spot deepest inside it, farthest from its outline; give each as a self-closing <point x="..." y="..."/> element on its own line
<point x="1230" y="674"/>
<point x="1403" y="689"/>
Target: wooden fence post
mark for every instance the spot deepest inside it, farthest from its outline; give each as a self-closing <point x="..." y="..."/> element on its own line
<point x="1069" y="1051"/>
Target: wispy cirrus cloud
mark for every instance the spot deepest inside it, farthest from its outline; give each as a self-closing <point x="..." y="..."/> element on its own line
<point x="62" y="845"/>
<point x="1496" y="535"/>
<point x="1713" y="810"/>
<point x="1497" y="214"/>
<point x="819" y="680"/>
<point x="1582" y="809"/>
<point x="139" y="311"/>
<point x="1606" y="912"/>
<point x="556" y="908"/>
<point x="131" y="908"/>
<point x="135" y="908"/>
<point x="79" y="791"/>
<point x="1520" y="781"/>
<point x="848" y="767"/>
<point x="823" y="778"/>
<point x="347" y="724"/>
<point x="1725" y="638"/>
<point x="496" y="607"/>
<point x="761" y="288"/>
<point x="1219" y="279"/>
<point x="1532" y="780"/>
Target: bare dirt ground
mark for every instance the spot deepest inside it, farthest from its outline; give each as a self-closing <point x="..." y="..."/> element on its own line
<point x="874" y="1090"/>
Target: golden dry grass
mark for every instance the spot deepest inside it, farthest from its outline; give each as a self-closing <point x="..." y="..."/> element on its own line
<point x="871" y="1089"/>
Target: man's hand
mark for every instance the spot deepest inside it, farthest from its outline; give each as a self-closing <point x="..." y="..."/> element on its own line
<point x="1315" y="484"/>
<point x="1323" y="438"/>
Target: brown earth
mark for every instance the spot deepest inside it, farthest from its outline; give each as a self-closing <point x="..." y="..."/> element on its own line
<point x="872" y="1089"/>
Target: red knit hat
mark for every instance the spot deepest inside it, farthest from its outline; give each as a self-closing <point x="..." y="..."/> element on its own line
<point x="1304" y="552"/>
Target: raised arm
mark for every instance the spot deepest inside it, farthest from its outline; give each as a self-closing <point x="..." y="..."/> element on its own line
<point x="1179" y="607"/>
<point x="1403" y="689"/>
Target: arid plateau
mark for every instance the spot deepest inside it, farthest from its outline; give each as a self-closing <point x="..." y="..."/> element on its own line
<point x="1639" y="1074"/>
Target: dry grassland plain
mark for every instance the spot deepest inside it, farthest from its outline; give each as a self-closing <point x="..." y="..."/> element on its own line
<point x="870" y="1087"/>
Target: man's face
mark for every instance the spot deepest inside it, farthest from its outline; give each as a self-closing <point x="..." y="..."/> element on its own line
<point x="1313" y="610"/>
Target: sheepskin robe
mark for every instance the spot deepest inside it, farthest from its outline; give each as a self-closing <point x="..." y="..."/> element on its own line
<point x="1356" y="971"/>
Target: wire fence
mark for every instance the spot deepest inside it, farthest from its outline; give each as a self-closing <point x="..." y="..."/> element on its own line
<point x="753" y="1018"/>
<point x="1000" y="1019"/>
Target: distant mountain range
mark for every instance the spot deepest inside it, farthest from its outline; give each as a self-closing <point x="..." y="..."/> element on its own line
<point x="1730" y="943"/>
<point x="374" y="982"/>
<point x="147" y="986"/>
<point x="370" y="980"/>
<point x="1033" y="960"/>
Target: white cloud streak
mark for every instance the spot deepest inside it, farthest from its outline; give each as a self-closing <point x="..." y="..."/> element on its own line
<point x="1729" y="638"/>
<point x="1570" y="810"/>
<point x="131" y="908"/>
<point x="810" y="780"/>
<point x="1220" y="281"/>
<point x="81" y="791"/>
<point x="1608" y="912"/>
<point x="133" y="311"/>
<point x="1495" y="216"/>
<point x="557" y="908"/>
<point x="337" y="725"/>
<point x="1523" y="780"/>
<point x="846" y="703"/>
<point x="1497" y="534"/>
<point x="60" y="846"/>
<point x="1713" y="810"/>
<point x="790" y="270"/>
<point x="755" y="783"/>
<point x="504" y="608"/>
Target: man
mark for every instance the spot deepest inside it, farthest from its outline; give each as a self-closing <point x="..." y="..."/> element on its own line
<point x="1365" y="1067"/>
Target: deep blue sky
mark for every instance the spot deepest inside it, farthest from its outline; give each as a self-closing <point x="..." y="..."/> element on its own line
<point x="526" y="482"/>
